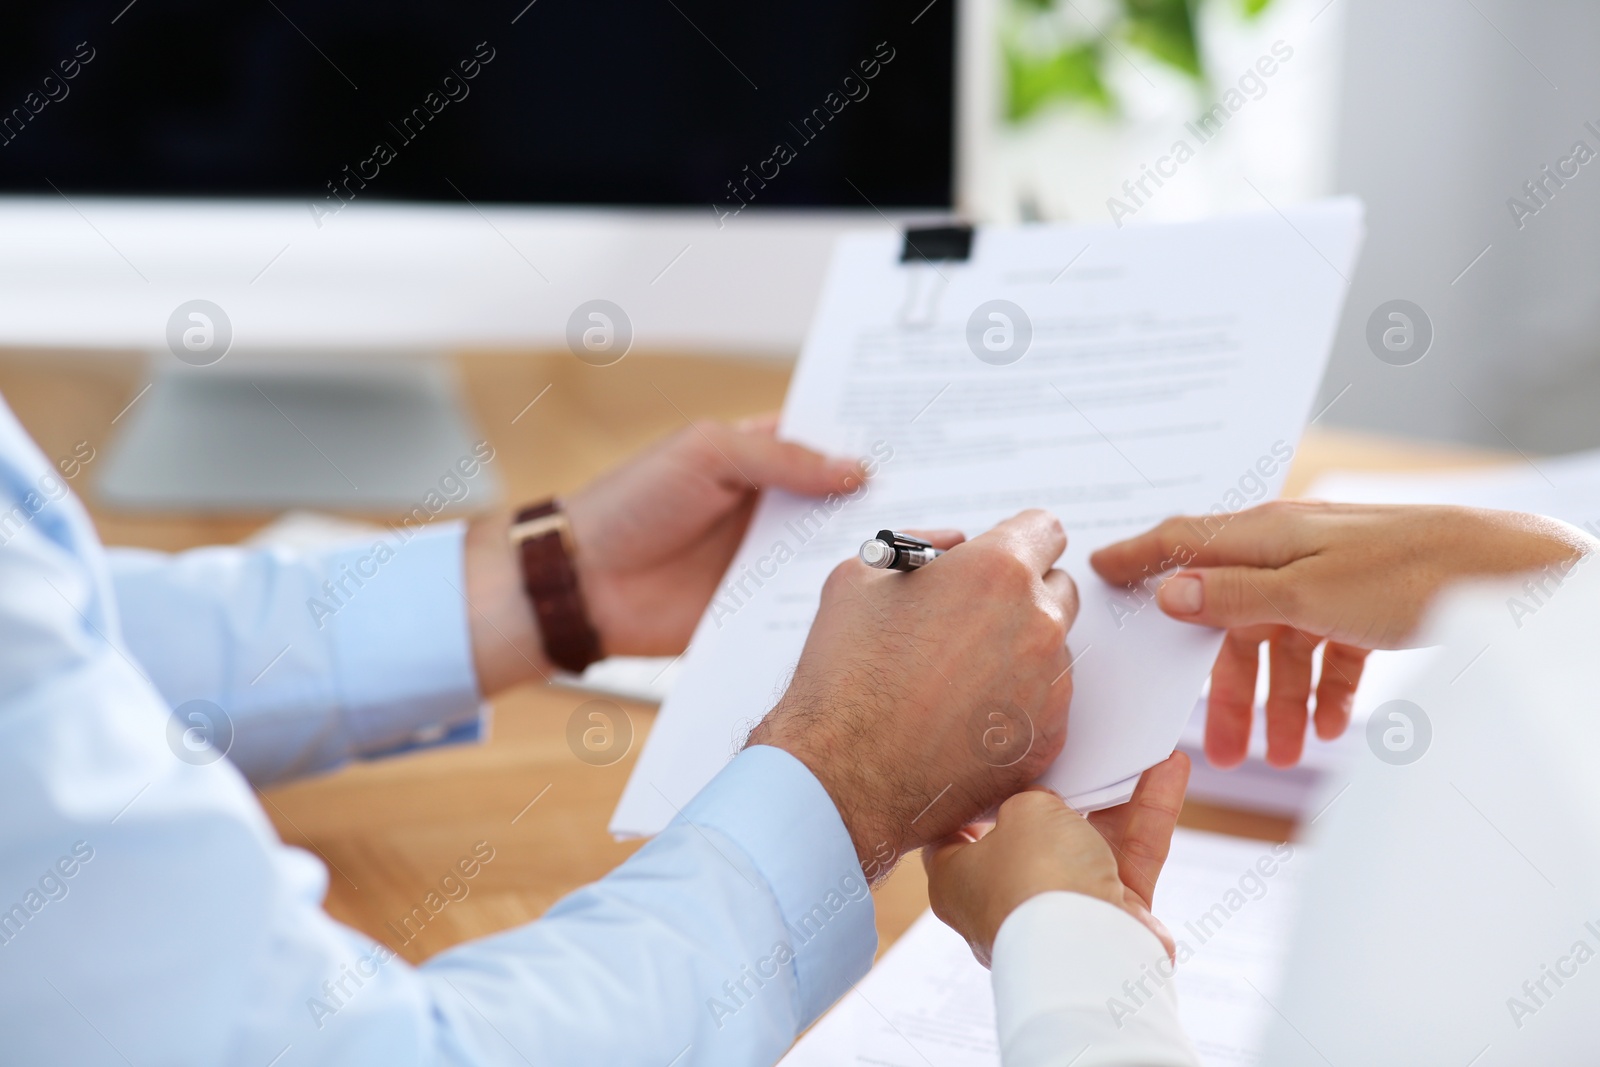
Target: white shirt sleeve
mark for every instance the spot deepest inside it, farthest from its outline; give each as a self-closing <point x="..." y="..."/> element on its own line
<point x="1080" y="981"/>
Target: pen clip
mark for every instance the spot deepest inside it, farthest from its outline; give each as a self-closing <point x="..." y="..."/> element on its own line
<point x="900" y="540"/>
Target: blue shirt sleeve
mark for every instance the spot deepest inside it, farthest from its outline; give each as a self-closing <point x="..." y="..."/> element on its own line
<point x="149" y="913"/>
<point x="718" y="942"/>
<point x="315" y="658"/>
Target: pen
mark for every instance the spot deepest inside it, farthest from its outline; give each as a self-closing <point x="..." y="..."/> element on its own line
<point x="898" y="551"/>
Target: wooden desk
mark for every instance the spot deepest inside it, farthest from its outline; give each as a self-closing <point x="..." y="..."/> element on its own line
<point x="390" y="830"/>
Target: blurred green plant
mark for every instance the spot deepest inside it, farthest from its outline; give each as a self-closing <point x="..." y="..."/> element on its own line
<point x="1074" y="71"/>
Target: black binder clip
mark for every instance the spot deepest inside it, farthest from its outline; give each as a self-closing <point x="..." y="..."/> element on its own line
<point x="936" y="244"/>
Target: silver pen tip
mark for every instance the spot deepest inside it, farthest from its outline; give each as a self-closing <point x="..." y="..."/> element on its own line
<point x="875" y="553"/>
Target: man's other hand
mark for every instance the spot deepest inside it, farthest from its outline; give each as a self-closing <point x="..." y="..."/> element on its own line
<point x="653" y="537"/>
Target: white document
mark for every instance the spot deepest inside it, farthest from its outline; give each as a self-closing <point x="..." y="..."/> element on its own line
<point x="1169" y="369"/>
<point x="647" y="679"/>
<point x="928" y="1002"/>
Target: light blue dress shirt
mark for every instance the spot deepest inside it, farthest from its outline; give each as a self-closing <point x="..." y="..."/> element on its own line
<point x="149" y="914"/>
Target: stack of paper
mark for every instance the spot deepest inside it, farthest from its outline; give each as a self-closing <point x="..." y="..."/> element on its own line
<point x="1564" y="487"/>
<point x="647" y="679"/>
<point x="928" y="1003"/>
<point x="1293" y="792"/>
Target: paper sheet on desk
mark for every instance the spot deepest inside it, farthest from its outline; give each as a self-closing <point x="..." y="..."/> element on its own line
<point x="1563" y="487"/>
<point x="928" y="1002"/>
<point x="1300" y="791"/>
<point x="1171" y="370"/>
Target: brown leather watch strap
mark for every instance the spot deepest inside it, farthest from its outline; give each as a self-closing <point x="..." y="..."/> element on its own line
<point x="544" y="543"/>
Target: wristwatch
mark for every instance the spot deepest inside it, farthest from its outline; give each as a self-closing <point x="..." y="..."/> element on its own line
<point x="542" y="537"/>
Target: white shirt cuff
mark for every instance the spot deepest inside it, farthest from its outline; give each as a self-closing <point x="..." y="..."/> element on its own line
<point x="1077" y="976"/>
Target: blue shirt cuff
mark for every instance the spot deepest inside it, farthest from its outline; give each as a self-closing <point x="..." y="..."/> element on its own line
<point x="773" y="808"/>
<point x="402" y="647"/>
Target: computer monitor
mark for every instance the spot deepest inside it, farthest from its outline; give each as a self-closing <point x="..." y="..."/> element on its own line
<point x="337" y="178"/>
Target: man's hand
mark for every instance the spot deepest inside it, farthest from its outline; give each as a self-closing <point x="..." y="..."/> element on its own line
<point x="656" y="534"/>
<point x="1297" y="573"/>
<point x="923" y="699"/>
<point x="653" y="537"/>
<point x="1039" y="845"/>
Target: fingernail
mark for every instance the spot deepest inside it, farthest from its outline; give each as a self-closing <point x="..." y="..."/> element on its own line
<point x="1182" y="594"/>
<point x="848" y="468"/>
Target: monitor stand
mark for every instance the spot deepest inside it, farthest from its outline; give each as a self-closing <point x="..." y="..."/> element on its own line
<point x="269" y="431"/>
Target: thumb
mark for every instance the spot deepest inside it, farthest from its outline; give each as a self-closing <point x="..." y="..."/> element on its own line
<point x="936" y="857"/>
<point x="1227" y="597"/>
<point x="758" y="457"/>
<point x="957" y="890"/>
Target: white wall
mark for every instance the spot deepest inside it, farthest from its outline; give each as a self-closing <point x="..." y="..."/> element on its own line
<point x="1447" y="110"/>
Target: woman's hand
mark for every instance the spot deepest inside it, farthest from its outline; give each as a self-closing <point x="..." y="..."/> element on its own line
<point x="1039" y="845"/>
<point x="1298" y="573"/>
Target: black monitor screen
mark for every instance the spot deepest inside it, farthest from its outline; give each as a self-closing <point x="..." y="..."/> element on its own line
<point x="836" y="103"/>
